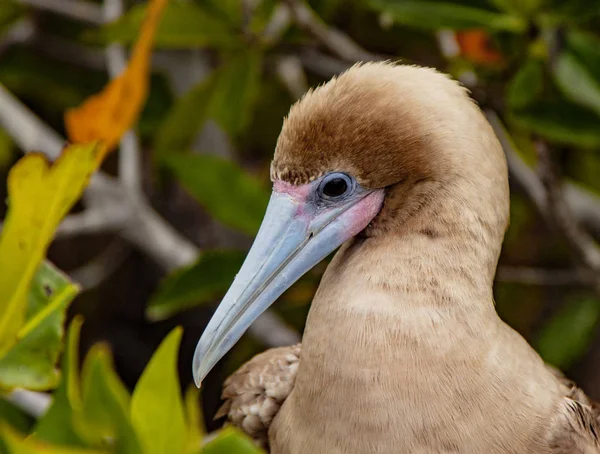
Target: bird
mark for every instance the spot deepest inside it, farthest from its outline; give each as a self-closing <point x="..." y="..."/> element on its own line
<point x="397" y="168"/>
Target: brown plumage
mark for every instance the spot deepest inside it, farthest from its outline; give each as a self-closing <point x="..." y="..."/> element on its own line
<point x="403" y="351"/>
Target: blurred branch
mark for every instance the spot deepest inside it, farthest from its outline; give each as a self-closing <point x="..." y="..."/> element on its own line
<point x="541" y="276"/>
<point x="584" y="204"/>
<point x="324" y="65"/>
<point x="584" y="248"/>
<point x="336" y="41"/>
<point x="101" y="267"/>
<point x="20" y="32"/>
<point x="280" y="20"/>
<point x="137" y="221"/>
<point x="85" y="11"/>
<point x="33" y="403"/>
<point x="291" y="73"/>
<point x="130" y="166"/>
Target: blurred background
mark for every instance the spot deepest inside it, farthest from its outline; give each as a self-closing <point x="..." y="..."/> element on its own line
<point x="160" y="243"/>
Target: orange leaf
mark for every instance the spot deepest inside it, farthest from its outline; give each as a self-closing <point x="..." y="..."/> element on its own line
<point x="107" y="115"/>
<point x="476" y="46"/>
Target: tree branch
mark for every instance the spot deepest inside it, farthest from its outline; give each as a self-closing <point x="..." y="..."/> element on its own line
<point x="336" y="41"/>
<point x="584" y="204"/>
<point x="583" y="247"/>
<point x="136" y="221"/>
<point x="75" y="9"/>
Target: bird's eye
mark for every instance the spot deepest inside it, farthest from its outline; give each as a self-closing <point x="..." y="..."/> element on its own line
<point x="335" y="185"/>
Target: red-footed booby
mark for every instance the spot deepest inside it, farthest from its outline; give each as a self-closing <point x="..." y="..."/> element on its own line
<point x="403" y="351"/>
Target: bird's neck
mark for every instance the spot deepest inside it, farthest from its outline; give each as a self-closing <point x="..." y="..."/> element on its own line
<point x="407" y="297"/>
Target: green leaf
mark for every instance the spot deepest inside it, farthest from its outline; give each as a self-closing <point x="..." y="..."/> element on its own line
<point x="30" y="363"/>
<point x="196" y="284"/>
<point x="185" y="119"/>
<point x="7" y="149"/>
<point x="230" y="441"/>
<point x="9" y="13"/>
<point x="567" y="335"/>
<point x="104" y="414"/>
<point x="40" y="195"/>
<point x="526" y="85"/>
<point x="586" y="48"/>
<point x="56" y="426"/>
<point x="435" y="15"/>
<point x="524" y="8"/>
<point x="228" y="193"/>
<point x="561" y="122"/>
<point x="24" y="444"/>
<point x="576" y="82"/>
<point x="228" y="96"/>
<point x="194" y="418"/>
<point x="183" y="25"/>
<point x="156" y="406"/>
<point x="236" y="91"/>
<point x="14" y="416"/>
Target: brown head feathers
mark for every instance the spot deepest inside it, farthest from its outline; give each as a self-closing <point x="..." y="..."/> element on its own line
<point x="410" y="129"/>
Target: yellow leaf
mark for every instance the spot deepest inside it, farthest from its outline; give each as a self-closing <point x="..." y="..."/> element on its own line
<point x="107" y="115"/>
<point x="195" y="424"/>
<point x="18" y="444"/>
<point x="40" y="195"/>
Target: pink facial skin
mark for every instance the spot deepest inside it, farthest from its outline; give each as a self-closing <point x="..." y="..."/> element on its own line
<point x="299" y="193"/>
<point x="357" y="218"/>
<point x="351" y="221"/>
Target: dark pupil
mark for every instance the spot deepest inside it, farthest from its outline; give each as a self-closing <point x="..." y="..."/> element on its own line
<point x="335" y="187"/>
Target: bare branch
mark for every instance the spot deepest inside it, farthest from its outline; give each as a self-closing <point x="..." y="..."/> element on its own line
<point x="584" y="204"/>
<point x="291" y="73"/>
<point x="20" y="32"/>
<point x="85" y="11"/>
<point x="100" y="268"/>
<point x="336" y="41"/>
<point x="541" y="276"/>
<point x="322" y="64"/>
<point x="130" y="166"/>
<point x="583" y="247"/>
<point x="280" y="20"/>
<point x="141" y="225"/>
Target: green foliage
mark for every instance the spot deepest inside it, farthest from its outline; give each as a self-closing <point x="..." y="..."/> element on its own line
<point x="184" y="24"/>
<point x="226" y="96"/>
<point x="230" y="441"/>
<point x="30" y="363"/>
<point x="196" y="284"/>
<point x="156" y="406"/>
<point x="565" y="338"/>
<point x="527" y="84"/>
<point x="431" y="15"/>
<point x="96" y="411"/>
<point x="224" y="190"/>
<point x="562" y="122"/>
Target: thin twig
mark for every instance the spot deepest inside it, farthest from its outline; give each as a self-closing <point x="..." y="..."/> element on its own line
<point x="85" y="11"/>
<point x="142" y="226"/>
<point x="20" y="32"/>
<point x="291" y="73"/>
<point x="583" y="247"/>
<point x="101" y="267"/>
<point x="336" y="41"/>
<point x="129" y="154"/>
<point x="541" y="276"/>
<point x="584" y="204"/>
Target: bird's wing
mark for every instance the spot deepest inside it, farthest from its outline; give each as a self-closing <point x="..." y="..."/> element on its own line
<point x="576" y="429"/>
<point x="256" y="391"/>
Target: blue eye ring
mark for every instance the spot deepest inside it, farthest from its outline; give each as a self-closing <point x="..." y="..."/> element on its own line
<point x="336" y="185"/>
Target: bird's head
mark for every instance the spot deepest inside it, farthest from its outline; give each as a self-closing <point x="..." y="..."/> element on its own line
<point x="358" y="155"/>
